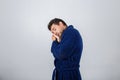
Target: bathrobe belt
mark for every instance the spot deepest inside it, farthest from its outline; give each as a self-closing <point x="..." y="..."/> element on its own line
<point x="61" y="71"/>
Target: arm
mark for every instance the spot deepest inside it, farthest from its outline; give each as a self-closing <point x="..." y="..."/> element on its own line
<point x="65" y="48"/>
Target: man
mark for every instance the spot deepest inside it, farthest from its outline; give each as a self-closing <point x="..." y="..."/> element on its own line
<point x="67" y="48"/>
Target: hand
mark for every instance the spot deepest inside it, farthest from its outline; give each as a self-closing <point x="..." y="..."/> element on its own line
<point x="54" y="37"/>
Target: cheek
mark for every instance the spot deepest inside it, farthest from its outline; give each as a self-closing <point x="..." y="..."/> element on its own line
<point x="59" y="30"/>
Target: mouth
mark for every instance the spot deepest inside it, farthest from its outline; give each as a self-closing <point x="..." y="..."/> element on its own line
<point x="58" y="34"/>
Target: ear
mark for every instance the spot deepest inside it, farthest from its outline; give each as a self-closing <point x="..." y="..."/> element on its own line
<point x="60" y="23"/>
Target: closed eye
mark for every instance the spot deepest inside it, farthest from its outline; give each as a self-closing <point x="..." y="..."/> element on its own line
<point x="53" y="29"/>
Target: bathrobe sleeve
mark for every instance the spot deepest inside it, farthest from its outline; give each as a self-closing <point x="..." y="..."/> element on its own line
<point x="65" y="48"/>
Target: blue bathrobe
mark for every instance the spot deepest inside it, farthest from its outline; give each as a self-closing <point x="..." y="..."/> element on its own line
<point x="67" y="55"/>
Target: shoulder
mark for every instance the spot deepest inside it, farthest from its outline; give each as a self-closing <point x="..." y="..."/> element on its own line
<point x="70" y="31"/>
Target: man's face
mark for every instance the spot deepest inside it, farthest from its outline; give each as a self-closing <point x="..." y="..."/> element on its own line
<point x="57" y="29"/>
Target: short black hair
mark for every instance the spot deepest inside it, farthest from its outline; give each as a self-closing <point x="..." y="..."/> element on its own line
<point x="56" y="21"/>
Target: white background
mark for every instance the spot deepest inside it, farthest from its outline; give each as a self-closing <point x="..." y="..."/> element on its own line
<point x="25" y="40"/>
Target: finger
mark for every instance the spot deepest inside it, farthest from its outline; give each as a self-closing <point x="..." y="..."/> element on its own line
<point x="55" y="35"/>
<point x="53" y="38"/>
